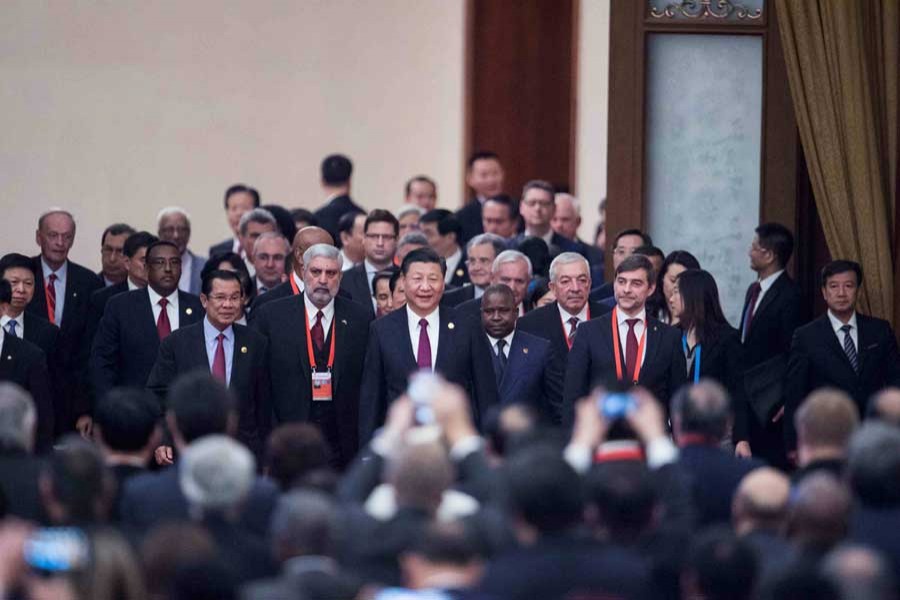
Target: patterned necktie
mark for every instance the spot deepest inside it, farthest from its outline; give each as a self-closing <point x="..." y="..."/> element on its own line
<point x="12" y="328"/>
<point x="423" y="360"/>
<point x="51" y="297"/>
<point x="631" y="348"/>
<point x="163" y="327"/>
<point x="573" y="325"/>
<point x="850" y="348"/>
<point x="218" y="366"/>
<point x="755" y="291"/>
<point x="317" y="333"/>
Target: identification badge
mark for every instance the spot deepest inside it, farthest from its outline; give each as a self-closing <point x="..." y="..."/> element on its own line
<point x="321" y="386"/>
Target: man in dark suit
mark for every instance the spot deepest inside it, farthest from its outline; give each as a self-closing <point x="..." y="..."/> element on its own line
<point x="174" y="225"/>
<point x="484" y="175"/>
<point x="843" y="349"/>
<point x="513" y="269"/>
<point x="626" y="242"/>
<point x="381" y="231"/>
<point x="537" y="208"/>
<point x="480" y="253"/>
<point x="771" y="314"/>
<point x="239" y="199"/>
<point x="423" y="336"/>
<point x="134" y="323"/>
<point x="309" y="382"/>
<point x="112" y="244"/>
<point x="336" y="172"/>
<point x="232" y="353"/>
<point x="63" y="292"/>
<point x="269" y="253"/>
<point x="630" y="346"/>
<point x="25" y="364"/>
<point x="443" y="231"/>
<point x="525" y="367"/>
<point x="566" y="221"/>
<point x="253" y="224"/>
<point x="18" y="270"/>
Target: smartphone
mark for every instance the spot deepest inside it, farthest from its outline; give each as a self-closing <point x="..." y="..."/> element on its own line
<point x="423" y="387"/>
<point x="616" y="405"/>
<point x="55" y="550"/>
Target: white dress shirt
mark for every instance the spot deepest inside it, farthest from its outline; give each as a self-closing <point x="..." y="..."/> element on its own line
<point x="59" y="286"/>
<point x="297" y="281"/>
<point x="582" y="317"/>
<point x="132" y="285"/>
<point x="211" y="336"/>
<point x="479" y="291"/>
<point x="452" y="263"/>
<point x="639" y="328"/>
<point x="764" y="285"/>
<point x="347" y="264"/>
<point x="434" y="326"/>
<point x="20" y="324"/>
<point x="171" y="307"/>
<point x="508" y="339"/>
<point x="312" y="310"/>
<point x="836" y="324"/>
<point x="547" y="237"/>
<point x="371" y="270"/>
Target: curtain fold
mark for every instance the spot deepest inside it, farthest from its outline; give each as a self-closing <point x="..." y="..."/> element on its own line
<point x="842" y="63"/>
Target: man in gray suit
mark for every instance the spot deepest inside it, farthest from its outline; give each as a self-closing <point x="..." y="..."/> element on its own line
<point x="174" y="225"/>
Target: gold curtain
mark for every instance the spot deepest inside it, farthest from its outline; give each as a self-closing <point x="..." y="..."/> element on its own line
<point x="842" y="67"/>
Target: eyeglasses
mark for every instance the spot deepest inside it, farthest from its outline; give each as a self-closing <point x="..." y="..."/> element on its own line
<point x="161" y="263"/>
<point x="222" y="298"/>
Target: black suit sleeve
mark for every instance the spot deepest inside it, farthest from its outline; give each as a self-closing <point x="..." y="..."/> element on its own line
<point x="164" y="371"/>
<point x="796" y="386"/>
<point x="891" y="359"/>
<point x="372" y="396"/>
<point x="361" y="478"/>
<point x="578" y="377"/>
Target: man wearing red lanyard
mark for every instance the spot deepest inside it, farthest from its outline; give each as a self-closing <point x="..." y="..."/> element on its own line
<point x="626" y="347"/>
<point x="317" y="348"/>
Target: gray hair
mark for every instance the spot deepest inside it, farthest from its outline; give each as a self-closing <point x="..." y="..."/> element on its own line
<point x="493" y="239"/>
<point x="873" y="464"/>
<point x="510" y="256"/>
<point x="272" y="235"/>
<point x="703" y="408"/>
<point x="170" y="211"/>
<point x="324" y="251"/>
<point x="216" y="473"/>
<point x="409" y="209"/>
<point x="860" y="572"/>
<point x="413" y="237"/>
<point x="576" y="204"/>
<point x="304" y="521"/>
<point x="257" y="215"/>
<point x="17" y="418"/>
<point x="54" y="211"/>
<point x="568" y="258"/>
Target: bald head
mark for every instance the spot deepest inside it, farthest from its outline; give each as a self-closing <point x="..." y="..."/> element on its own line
<point x="761" y="501"/>
<point x="819" y="513"/>
<point x="885" y="406"/>
<point x="305" y="239"/>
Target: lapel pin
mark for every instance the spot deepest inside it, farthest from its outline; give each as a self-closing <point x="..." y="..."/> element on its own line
<point x="74" y="294"/>
<point x="243" y="349"/>
<point x="9" y="357"/>
<point x="344" y="321"/>
<point x="450" y="325"/>
<point x="524" y="350"/>
<point x="459" y="273"/>
<point x="189" y="311"/>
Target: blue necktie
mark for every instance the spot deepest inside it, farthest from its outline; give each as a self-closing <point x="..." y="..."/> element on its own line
<point x="12" y="329"/>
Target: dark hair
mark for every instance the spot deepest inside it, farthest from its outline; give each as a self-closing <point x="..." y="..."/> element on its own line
<point x="5" y="292"/>
<point x="248" y="284"/>
<point x="201" y="405"/>
<point x="637" y="262"/>
<point x="836" y="267"/>
<point x="208" y="277"/>
<point x="116" y="229"/>
<point x="14" y="260"/>
<point x="873" y="465"/>
<point x="506" y="201"/>
<point x="394" y="277"/>
<point x="702" y="309"/>
<point x="284" y="220"/>
<point x="675" y="257"/>
<point x="240" y="188"/>
<point x="423" y="178"/>
<point x="725" y="567"/>
<point x="500" y="289"/>
<point x="647" y="240"/>
<point x="379" y="215"/>
<point x="304" y="215"/>
<point x="160" y="243"/>
<point x="293" y="450"/>
<point x="447" y="544"/>
<point x="544" y="490"/>
<point x="625" y="496"/>
<point x="381" y="276"/>
<point x="777" y="238"/>
<point x="127" y="417"/>
<point x="336" y="169"/>
<point x="703" y="408"/>
<point x="537" y="289"/>
<point x="538" y="253"/>
<point x="423" y="255"/>
<point x="345" y="223"/>
<point x="650" y="251"/>
<point x="539" y="184"/>
<point x="446" y="221"/>
<point x="480" y="155"/>
<point x="79" y="479"/>
<point x="136" y="241"/>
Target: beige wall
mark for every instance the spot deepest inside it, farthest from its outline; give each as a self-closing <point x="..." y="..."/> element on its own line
<point x="117" y="109"/>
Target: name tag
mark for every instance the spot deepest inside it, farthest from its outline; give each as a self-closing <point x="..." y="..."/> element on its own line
<point x="321" y="386"/>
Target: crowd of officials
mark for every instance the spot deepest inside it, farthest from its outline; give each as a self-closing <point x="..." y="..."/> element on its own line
<point x="431" y="404"/>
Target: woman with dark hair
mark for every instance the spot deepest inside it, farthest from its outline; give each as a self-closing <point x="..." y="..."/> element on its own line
<point x="229" y="261"/>
<point x="675" y="263"/>
<point x="539" y="292"/>
<point x="712" y="347"/>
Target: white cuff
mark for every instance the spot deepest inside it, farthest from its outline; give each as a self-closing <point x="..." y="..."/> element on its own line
<point x="465" y="447"/>
<point x="660" y="452"/>
<point x="579" y="457"/>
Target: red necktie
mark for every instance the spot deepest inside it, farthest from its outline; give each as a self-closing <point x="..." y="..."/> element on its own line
<point x="163" y="327"/>
<point x="424" y="356"/>
<point x="755" y="290"/>
<point x="318" y="333"/>
<point x="51" y="297"/>
<point x="573" y="322"/>
<point x="631" y="348"/>
<point x="218" y="366"/>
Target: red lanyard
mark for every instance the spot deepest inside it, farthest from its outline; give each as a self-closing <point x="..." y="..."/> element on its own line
<point x="294" y="285"/>
<point x="309" y="348"/>
<point x="568" y="338"/>
<point x="640" y="352"/>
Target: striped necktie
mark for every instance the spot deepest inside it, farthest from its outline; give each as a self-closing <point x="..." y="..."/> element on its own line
<point x="850" y="348"/>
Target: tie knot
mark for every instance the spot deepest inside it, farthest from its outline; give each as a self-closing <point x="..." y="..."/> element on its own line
<point x="164" y="302"/>
<point x="755" y="288"/>
<point x="847" y="328"/>
<point x="632" y="322"/>
<point x="320" y="315"/>
<point x="53" y="277"/>
<point x="423" y="323"/>
<point x="573" y="321"/>
<point x="220" y="337"/>
<point x="501" y="344"/>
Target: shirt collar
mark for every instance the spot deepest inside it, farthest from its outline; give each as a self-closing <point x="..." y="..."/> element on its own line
<point x="132" y="285"/>
<point x="60" y="273"/>
<point x="621" y="317"/>
<point x="211" y="333"/>
<point x="20" y="320"/>
<point x="508" y="338"/>
<point x="297" y="280"/>
<point x="767" y="282"/>
<point x="547" y="237"/>
<point x="433" y="318"/>
<point x="836" y="323"/>
<point x="581" y="316"/>
<point x="370" y="268"/>
<point x="155" y="298"/>
<point x="312" y="309"/>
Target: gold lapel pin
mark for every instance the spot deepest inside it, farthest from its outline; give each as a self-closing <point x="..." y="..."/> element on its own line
<point x="189" y="311"/>
<point x="74" y="294"/>
<point x="459" y="273"/>
<point x="344" y="321"/>
<point x="524" y="350"/>
<point x="243" y="349"/>
<point x="9" y="357"/>
<point x="450" y="325"/>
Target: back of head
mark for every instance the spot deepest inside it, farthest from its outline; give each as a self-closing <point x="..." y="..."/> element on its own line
<point x="543" y="490"/>
<point x="17" y="419"/>
<point x="114" y="570"/>
<point x="303" y="525"/>
<point x="860" y="573"/>
<point x="168" y="548"/>
<point x="721" y="566"/>
<point x="293" y="450"/>
<point x="446" y="544"/>
<point x="420" y="473"/>
<point x="76" y="485"/>
<point x="126" y="418"/>
<point x="802" y="581"/>
<point x="873" y="465"/>
<point x="201" y="405"/>
<point x="336" y="169"/>
<point x="702" y="409"/>
<point x="625" y="497"/>
<point x="216" y="474"/>
<point x="826" y="419"/>
<point x="885" y="406"/>
<point x="819" y="514"/>
<point x="761" y="501"/>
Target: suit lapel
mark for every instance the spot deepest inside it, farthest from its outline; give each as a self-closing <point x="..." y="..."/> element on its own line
<point x="518" y="362"/>
<point x="145" y="314"/>
<point x="71" y="293"/>
<point x="7" y="360"/>
<point x="297" y="322"/>
<point x="864" y="337"/>
<point x="446" y="333"/>
<point x="770" y="296"/>
<point x="651" y="346"/>
<point x="835" y="345"/>
<point x="187" y="314"/>
<point x="339" y="331"/>
<point x="240" y="360"/>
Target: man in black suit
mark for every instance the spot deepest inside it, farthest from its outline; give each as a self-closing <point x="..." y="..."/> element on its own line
<point x="316" y="353"/>
<point x="771" y="314"/>
<point x="443" y="231"/>
<point x="232" y="353"/>
<point x="18" y="270"/>
<point x="112" y="244"/>
<point x="537" y="208"/>
<point x="513" y="269"/>
<point x="630" y="346"/>
<point x="566" y="221"/>
<point x="481" y="251"/>
<point x="336" y="172"/>
<point x="484" y="175"/>
<point x="63" y="292"/>
<point x="626" y="242"/>
<point x="134" y="323"/>
<point x="239" y="199"/>
<point x="269" y="253"/>
<point x="525" y="367"/>
<point x="423" y="336"/>
<point x="843" y="349"/>
<point x="500" y="216"/>
<point x="381" y="231"/>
